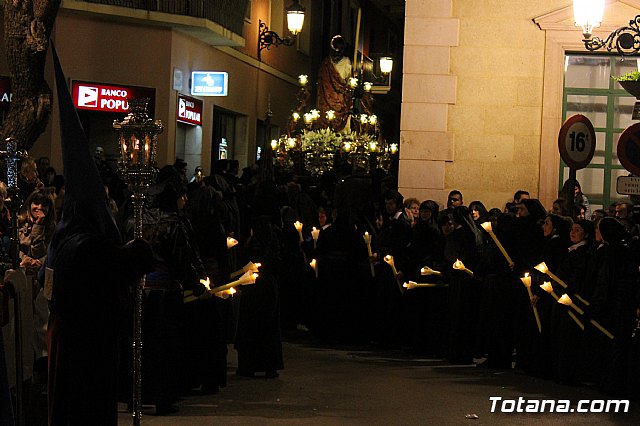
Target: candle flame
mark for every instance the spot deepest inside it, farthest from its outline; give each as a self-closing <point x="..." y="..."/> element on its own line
<point x="389" y="259"/>
<point x="231" y="242"/>
<point x="458" y="265"/>
<point x="313" y="263"/>
<point x="232" y="291"/>
<point x="298" y="225"/>
<point x="206" y="282"/>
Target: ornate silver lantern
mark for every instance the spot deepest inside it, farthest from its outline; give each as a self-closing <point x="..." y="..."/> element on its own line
<point x="138" y="138"/>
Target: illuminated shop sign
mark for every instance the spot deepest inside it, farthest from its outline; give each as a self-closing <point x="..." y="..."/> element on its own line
<point x="189" y="110"/>
<point x="209" y="83"/>
<point x="107" y="98"/>
<point x="5" y="92"/>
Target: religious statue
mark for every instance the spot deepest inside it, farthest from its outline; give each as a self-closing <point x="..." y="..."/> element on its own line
<point x="334" y="92"/>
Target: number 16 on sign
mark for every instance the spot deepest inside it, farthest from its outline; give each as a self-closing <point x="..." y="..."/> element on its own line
<point x="577" y="144"/>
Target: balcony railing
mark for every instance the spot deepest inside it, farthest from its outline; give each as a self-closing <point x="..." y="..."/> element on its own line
<point x="227" y="13"/>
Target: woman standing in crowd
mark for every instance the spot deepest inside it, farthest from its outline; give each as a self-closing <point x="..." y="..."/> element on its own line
<point x="36" y="223"/>
<point x="573" y="271"/>
<point x="578" y="197"/>
<point x="412" y="210"/>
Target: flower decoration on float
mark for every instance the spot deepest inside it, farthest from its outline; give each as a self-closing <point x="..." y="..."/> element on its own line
<point x="317" y="141"/>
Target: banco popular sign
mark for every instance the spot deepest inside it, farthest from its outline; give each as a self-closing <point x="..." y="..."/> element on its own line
<point x="189" y="110"/>
<point x="108" y="98"/>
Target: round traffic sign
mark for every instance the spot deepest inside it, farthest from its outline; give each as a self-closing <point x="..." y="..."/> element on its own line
<point x="577" y="141"/>
<point x="629" y="149"/>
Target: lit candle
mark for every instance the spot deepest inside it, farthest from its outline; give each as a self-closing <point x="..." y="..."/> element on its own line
<point x="389" y="259"/>
<point x="295" y="116"/>
<point x="136" y="148"/>
<point x="542" y="267"/>
<point x="147" y="151"/>
<point x="364" y="118"/>
<point x="248" y="277"/>
<point x="566" y="300"/>
<point x="231" y="242"/>
<point x="298" y="225"/>
<point x="373" y="119"/>
<point x="224" y="294"/>
<point x="353" y="82"/>
<point x="347" y="146"/>
<point x="274" y="144"/>
<point x="367" y="240"/>
<point x="460" y="267"/>
<point x="526" y="280"/>
<point x="206" y="282"/>
<point x="303" y="79"/>
<point x="373" y="146"/>
<point x="308" y="118"/>
<point x="314" y="266"/>
<point x="546" y="286"/>
<point x="393" y="148"/>
<point x="331" y="114"/>
<point x="425" y="270"/>
<point x="252" y="267"/>
<point x="315" y="233"/>
<point x="368" y="86"/>
<point x="487" y="227"/>
<point x="291" y="142"/>
<point x="412" y="284"/>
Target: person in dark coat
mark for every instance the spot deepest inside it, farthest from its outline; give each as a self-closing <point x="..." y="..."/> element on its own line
<point x="258" y="337"/>
<point x="89" y="271"/>
<point x="464" y="243"/>
<point x="614" y="305"/>
<point x="567" y="336"/>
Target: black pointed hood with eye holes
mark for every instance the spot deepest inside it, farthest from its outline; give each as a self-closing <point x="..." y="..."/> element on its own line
<point x="85" y="209"/>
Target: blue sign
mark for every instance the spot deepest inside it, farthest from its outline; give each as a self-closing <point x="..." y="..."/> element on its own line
<point x="209" y="83"/>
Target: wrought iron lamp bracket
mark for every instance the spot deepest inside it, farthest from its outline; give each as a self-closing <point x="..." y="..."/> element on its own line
<point x="268" y="38"/>
<point x="625" y="40"/>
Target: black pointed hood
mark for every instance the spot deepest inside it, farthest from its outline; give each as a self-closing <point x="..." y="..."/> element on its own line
<point x="85" y="207"/>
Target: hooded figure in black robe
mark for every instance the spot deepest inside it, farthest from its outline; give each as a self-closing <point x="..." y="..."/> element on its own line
<point x="91" y="273"/>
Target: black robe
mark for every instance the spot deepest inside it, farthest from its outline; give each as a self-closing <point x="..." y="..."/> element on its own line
<point x="90" y="281"/>
<point x="258" y="338"/>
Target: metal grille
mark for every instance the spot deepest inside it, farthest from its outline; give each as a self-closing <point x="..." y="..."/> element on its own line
<point x="228" y="13"/>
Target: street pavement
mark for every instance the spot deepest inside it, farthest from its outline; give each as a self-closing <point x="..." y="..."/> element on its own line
<point x="334" y="385"/>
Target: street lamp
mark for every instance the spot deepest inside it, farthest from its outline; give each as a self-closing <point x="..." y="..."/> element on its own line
<point x="386" y="64"/>
<point x="588" y="15"/>
<point x="295" y="21"/>
<point x="138" y="139"/>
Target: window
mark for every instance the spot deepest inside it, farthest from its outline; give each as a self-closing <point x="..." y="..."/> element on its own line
<point x="589" y="90"/>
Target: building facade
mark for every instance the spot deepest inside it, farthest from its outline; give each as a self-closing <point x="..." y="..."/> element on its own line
<point x="484" y="98"/>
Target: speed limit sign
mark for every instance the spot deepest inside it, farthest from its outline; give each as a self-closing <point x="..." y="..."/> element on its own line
<point x="577" y="141"/>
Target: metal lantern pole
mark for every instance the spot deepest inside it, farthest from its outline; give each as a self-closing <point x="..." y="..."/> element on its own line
<point x="12" y="156"/>
<point x="138" y="146"/>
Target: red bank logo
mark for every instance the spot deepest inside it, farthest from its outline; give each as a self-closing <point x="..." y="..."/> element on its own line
<point x="189" y="110"/>
<point x="87" y="96"/>
<point x="107" y="98"/>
